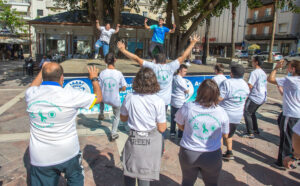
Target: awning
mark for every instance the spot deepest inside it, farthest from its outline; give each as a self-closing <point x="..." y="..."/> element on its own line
<point x="14" y="41"/>
<point x="254" y="47"/>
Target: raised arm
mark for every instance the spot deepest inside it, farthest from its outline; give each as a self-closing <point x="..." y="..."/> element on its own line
<point x="39" y="79"/>
<point x="173" y="29"/>
<point x="117" y="28"/>
<point x="128" y="54"/>
<point x="194" y="39"/>
<point x="93" y="74"/>
<point x="97" y="24"/>
<point x="272" y="76"/>
<point x="146" y="26"/>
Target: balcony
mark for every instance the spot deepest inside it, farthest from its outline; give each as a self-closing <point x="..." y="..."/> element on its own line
<point x="263" y="19"/>
<point x="18" y="2"/>
<point x="268" y="37"/>
<point x="267" y="2"/>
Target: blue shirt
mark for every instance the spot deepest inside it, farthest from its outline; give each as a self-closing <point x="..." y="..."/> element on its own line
<point x="159" y="33"/>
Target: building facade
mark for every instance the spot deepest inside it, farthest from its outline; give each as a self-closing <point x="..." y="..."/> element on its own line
<point x="220" y="30"/>
<point x="287" y="31"/>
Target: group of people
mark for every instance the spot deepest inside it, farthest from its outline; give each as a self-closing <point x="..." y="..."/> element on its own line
<point x="202" y="124"/>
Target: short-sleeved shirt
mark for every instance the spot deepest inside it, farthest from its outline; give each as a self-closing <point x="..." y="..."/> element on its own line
<point x="164" y="74"/>
<point x="296" y="128"/>
<point x="258" y="79"/>
<point x="159" y="33"/>
<point x="234" y="93"/>
<point x="52" y="112"/>
<point x="144" y="111"/>
<point x="203" y="127"/>
<point x="219" y="79"/>
<point x="178" y="91"/>
<point x="110" y="81"/>
<point x="106" y="34"/>
<point x="291" y="95"/>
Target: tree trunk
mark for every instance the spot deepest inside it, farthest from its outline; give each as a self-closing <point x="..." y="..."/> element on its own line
<point x="206" y="42"/>
<point x="169" y="14"/>
<point x="195" y="24"/>
<point x="233" y="12"/>
<point x="117" y="12"/>
<point x="270" y="59"/>
<point x="99" y="11"/>
<point x="175" y="36"/>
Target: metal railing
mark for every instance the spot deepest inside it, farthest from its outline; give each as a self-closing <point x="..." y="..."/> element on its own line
<point x="262" y="19"/>
<point x="17" y="1"/>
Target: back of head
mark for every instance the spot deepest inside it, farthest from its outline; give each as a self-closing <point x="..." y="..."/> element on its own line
<point x="219" y="68"/>
<point x="296" y="64"/>
<point x="52" y="72"/>
<point x="259" y="60"/>
<point x="145" y="82"/>
<point x="208" y="93"/>
<point x="110" y="59"/>
<point x="237" y="71"/>
<point x="160" y="58"/>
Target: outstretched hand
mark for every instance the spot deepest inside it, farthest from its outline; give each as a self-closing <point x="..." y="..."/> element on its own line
<point x="121" y="45"/>
<point x="279" y="64"/>
<point x="174" y="26"/>
<point x="118" y="25"/>
<point x="93" y="72"/>
<point x="97" y="21"/>
<point x="195" y="38"/>
<point x="146" y="20"/>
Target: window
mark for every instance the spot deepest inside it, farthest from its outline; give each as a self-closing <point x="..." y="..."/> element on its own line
<point x="255" y="15"/>
<point x="266" y="30"/>
<point x="283" y="28"/>
<point x="40" y="12"/>
<point x="254" y="31"/>
<point x="285" y="8"/>
<point x="145" y="14"/>
<point x="268" y="12"/>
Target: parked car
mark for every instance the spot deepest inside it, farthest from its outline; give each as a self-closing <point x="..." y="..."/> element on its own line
<point x="292" y="57"/>
<point x="241" y="54"/>
<point x="276" y="55"/>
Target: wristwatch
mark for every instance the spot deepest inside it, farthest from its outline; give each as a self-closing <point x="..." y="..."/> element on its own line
<point x="94" y="79"/>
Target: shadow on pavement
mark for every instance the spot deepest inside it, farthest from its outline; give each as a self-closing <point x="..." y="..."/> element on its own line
<point x="227" y="178"/>
<point x="265" y="175"/>
<point x="92" y="123"/>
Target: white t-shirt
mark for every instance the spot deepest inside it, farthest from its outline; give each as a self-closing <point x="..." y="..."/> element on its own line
<point x="258" y="79"/>
<point x="52" y="112"/>
<point x="203" y="127"/>
<point x="219" y="79"/>
<point x="110" y="81"/>
<point x="291" y="95"/>
<point x="143" y="111"/>
<point x="106" y="34"/>
<point x="164" y="74"/>
<point x="178" y="88"/>
<point x="296" y="128"/>
<point x="234" y="92"/>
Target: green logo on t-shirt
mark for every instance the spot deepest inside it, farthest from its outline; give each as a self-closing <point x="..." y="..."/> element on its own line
<point x="201" y="129"/>
<point x="239" y="96"/>
<point x="42" y="119"/>
<point x="109" y="84"/>
<point x="163" y="76"/>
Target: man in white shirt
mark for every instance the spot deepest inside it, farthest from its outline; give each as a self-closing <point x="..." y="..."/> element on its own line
<point x="179" y="91"/>
<point x="219" y="70"/>
<point x="111" y="82"/>
<point x="258" y="95"/>
<point x="54" y="146"/>
<point x="104" y="40"/>
<point x="233" y="93"/>
<point x="290" y="107"/>
<point x="164" y="71"/>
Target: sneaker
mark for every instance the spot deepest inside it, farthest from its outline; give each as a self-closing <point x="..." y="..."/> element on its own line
<point x="172" y="135"/>
<point x="228" y="156"/>
<point x="96" y="56"/>
<point x="101" y="117"/>
<point x="256" y="132"/>
<point x="114" y="136"/>
<point x="188" y="64"/>
<point x="250" y="136"/>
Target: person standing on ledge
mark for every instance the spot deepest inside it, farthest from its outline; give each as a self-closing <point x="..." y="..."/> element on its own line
<point x="103" y="41"/>
<point x="158" y="35"/>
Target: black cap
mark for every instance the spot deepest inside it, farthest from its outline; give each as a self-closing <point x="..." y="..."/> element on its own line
<point x="237" y="71"/>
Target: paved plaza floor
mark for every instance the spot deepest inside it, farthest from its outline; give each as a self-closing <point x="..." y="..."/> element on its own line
<point x="102" y="158"/>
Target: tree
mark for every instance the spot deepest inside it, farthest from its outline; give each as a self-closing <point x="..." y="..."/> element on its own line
<point x="234" y="5"/>
<point x="11" y="19"/>
<point x="206" y="42"/>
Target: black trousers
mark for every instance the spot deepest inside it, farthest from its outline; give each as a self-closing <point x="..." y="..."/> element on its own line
<point x="250" y="116"/>
<point x="132" y="181"/>
<point x="152" y="47"/>
<point x="286" y="132"/>
<point x="173" y="122"/>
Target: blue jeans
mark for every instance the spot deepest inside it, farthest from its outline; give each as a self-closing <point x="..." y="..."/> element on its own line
<point x="104" y="46"/>
<point x="50" y="175"/>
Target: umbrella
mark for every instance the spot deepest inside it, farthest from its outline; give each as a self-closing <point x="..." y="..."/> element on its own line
<point x="254" y="47"/>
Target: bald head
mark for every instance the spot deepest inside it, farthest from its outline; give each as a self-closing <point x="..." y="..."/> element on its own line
<point x="52" y="72"/>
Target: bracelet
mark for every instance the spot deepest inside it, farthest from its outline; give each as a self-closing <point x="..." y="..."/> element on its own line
<point x="94" y="79"/>
<point x="293" y="158"/>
